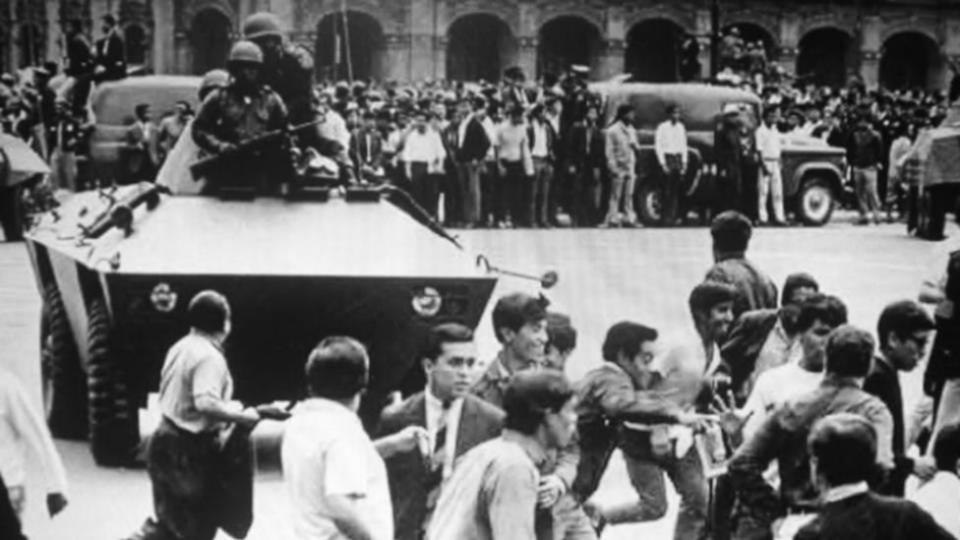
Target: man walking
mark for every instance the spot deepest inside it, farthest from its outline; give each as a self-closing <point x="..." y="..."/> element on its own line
<point x="585" y="162"/>
<point x="110" y="63"/>
<point x="866" y="155"/>
<point x="454" y="422"/>
<point x="670" y="143"/>
<point x="731" y="232"/>
<point x="473" y="145"/>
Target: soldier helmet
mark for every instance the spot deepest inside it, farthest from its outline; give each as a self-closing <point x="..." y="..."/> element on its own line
<point x="246" y="52"/>
<point x="215" y="78"/>
<point x="262" y="24"/>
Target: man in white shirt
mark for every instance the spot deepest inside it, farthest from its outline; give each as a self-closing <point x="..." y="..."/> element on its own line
<point x="453" y="420"/>
<point x="769" y="144"/>
<point x="422" y="154"/>
<point x="939" y="496"/>
<point x="336" y="480"/>
<point x="670" y="143"/>
<point x="21" y="430"/>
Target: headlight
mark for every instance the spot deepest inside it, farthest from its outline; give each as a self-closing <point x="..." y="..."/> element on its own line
<point x="163" y="298"/>
<point x="427" y="302"/>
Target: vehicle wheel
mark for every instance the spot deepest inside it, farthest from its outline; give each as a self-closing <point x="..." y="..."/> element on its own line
<point x="815" y="202"/>
<point x="64" y="385"/>
<point x="650" y="201"/>
<point x="113" y="418"/>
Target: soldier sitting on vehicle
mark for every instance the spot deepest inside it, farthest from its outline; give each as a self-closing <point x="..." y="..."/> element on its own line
<point x="237" y="114"/>
<point x="287" y="68"/>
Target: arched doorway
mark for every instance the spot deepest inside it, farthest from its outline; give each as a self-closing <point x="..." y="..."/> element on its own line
<point x="135" y="41"/>
<point x="349" y="45"/>
<point x="480" y="46"/>
<point x="911" y="60"/>
<point x="210" y="37"/>
<point x="825" y="56"/>
<point x="565" y="41"/>
<point x="753" y="33"/>
<point x="652" y="51"/>
<point x="30" y="45"/>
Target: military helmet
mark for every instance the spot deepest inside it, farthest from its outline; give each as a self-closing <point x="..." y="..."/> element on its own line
<point x="245" y="51"/>
<point x="215" y="78"/>
<point x="262" y="24"/>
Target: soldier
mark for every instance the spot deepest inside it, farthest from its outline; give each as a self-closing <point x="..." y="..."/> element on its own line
<point x="237" y="113"/>
<point x="287" y="68"/>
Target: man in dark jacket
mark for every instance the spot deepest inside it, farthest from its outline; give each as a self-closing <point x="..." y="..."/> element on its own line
<point x="451" y="420"/>
<point x="842" y="449"/>
<point x="287" y="68"/>
<point x="731" y="233"/>
<point x="866" y="155"/>
<point x="585" y="163"/>
<point x="904" y="329"/>
<point x="80" y="64"/>
<point x="472" y="147"/>
<point x="111" y="61"/>
<point x="765" y="338"/>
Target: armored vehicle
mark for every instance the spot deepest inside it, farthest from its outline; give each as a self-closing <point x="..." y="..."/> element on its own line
<point x="931" y="171"/>
<point x="813" y="172"/>
<point x="21" y="170"/>
<point x="117" y="268"/>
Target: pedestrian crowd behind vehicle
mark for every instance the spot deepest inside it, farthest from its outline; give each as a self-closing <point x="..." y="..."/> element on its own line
<point x="516" y="153"/>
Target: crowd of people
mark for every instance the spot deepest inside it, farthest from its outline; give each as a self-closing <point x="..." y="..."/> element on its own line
<point x="775" y="418"/>
<point x="517" y="153"/>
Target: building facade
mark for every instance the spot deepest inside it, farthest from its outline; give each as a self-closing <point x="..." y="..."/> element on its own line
<point x="895" y="43"/>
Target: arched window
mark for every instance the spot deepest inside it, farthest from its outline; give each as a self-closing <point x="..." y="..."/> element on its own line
<point x="135" y="41"/>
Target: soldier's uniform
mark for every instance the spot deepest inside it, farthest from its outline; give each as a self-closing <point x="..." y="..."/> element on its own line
<point x="291" y="76"/>
<point x="230" y="116"/>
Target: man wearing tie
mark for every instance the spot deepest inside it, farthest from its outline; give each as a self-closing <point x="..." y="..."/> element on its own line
<point x="454" y="420"/>
<point x="110" y="63"/>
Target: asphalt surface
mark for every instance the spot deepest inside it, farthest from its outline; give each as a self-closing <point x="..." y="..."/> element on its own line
<point x="605" y="276"/>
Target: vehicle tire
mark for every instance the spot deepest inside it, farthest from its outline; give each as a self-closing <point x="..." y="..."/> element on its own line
<point x="113" y="417"/>
<point x="64" y="385"/>
<point x="815" y="202"/>
<point x="650" y="205"/>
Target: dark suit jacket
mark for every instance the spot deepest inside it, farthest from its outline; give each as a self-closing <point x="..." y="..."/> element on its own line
<point x="479" y="422"/>
<point x="579" y="151"/>
<point x="79" y="56"/>
<point x="359" y="149"/>
<point x="111" y="55"/>
<point x="475" y="143"/>
<point x="872" y="517"/>
<point x="884" y="382"/>
<point x="744" y="343"/>
<point x="552" y="146"/>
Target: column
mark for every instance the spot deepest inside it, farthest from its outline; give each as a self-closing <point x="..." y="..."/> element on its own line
<point x="54" y="32"/>
<point x="705" y="56"/>
<point x="440" y="47"/>
<point x="182" y="53"/>
<point x="610" y="59"/>
<point x="397" y="57"/>
<point x="870" y="68"/>
<point x="787" y="59"/>
<point x="869" y="50"/>
<point x="163" y="53"/>
<point x="526" y="57"/>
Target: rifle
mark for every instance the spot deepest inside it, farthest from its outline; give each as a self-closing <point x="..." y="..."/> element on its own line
<point x="205" y="166"/>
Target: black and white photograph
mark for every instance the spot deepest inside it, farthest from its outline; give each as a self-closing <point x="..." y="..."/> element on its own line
<point x="479" y="269"/>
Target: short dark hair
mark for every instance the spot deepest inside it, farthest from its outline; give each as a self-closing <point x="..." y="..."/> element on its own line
<point x="672" y="108"/>
<point x="513" y="311"/>
<point x="845" y="446"/>
<point x="624" y="110"/>
<point x="208" y="312"/>
<point x="445" y="333"/>
<point x="946" y="448"/>
<point x="560" y="332"/>
<point x="337" y="368"/>
<point x="731" y="232"/>
<point x="709" y="294"/>
<point x="849" y="352"/>
<point x="109" y="19"/>
<point x="530" y="395"/>
<point x="627" y="337"/>
<point x="141" y="108"/>
<point x="829" y="310"/>
<point x="903" y="318"/>
<point x="800" y="280"/>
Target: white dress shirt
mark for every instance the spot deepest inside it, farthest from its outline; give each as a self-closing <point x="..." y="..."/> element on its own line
<point x="437" y="416"/>
<point x="939" y="498"/>
<point x="21" y="429"/>
<point x="775" y="386"/>
<point x="671" y="138"/>
<point x="426" y="147"/>
<point x="539" y="149"/>
<point x="769" y="142"/>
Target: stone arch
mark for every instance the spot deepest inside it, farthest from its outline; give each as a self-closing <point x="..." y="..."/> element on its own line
<point x="505" y="12"/>
<point x="911" y="59"/>
<point x="388" y="14"/>
<point x="753" y="30"/>
<point x="563" y="40"/>
<point x="652" y="53"/>
<point x="190" y="8"/>
<point x="825" y="55"/>
<point x="211" y="35"/>
<point x="479" y="46"/>
<point x="361" y="56"/>
<point x="593" y="17"/>
<point x="684" y="19"/>
<point x="927" y="30"/>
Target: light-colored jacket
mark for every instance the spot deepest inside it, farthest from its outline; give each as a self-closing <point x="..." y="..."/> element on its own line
<point x="621" y="145"/>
